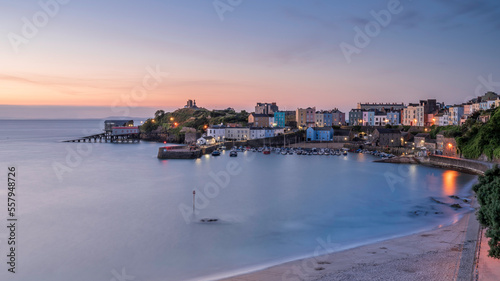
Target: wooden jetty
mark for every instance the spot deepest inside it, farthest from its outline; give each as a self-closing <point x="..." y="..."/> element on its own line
<point x="104" y="137"/>
<point x="115" y="131"/>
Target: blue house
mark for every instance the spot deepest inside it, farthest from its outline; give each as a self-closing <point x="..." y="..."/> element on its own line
<point x="394" y="118"/>
<point x="279" y="119"/>
<point x="319" y="134"/>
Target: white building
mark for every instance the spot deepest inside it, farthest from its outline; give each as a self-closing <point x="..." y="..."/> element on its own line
<point x="205" y="141"/>
<point x="119" y="131"/>
<point x="442" y="119"/>
<point x="257" y="133"/>
<point x="413" y="115"/>
<point x="380" y="119"/>
<point x="237" y="133"/>
<point x="218" y="132"/>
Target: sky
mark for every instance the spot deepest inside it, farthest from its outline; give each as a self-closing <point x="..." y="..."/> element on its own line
<point x="92" y="59"/>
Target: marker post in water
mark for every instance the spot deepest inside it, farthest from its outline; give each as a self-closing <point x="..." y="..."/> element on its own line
<point x="194" y="193"/>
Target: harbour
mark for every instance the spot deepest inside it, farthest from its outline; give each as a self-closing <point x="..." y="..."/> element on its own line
<point x="264" y="215"/>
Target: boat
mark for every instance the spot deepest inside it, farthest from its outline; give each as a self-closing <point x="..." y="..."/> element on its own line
<point x="266" y="151"/>
<point x="345" y="152"/>
<point x="223" y="147"/>
<point x="215" y="153"/>
<point x="233" y="153"/>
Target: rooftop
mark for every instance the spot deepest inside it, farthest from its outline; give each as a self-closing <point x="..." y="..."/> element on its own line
<point x="388" y="131"/>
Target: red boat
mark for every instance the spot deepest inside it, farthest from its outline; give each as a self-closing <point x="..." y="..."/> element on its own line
<point x="266" y="151"/>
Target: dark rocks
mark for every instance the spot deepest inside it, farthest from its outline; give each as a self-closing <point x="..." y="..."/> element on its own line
<point x="209" y="220"/>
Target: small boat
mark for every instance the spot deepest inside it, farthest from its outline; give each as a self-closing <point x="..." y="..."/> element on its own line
<point x="215" y="153"/>
<point x="223" y="147"/>
<point x="266" y="151"/>
<point x="233" y="153"/>
<point x="345" y="152"/>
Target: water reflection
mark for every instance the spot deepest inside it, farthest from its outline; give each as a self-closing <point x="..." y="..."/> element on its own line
<point x="450" y="182"/>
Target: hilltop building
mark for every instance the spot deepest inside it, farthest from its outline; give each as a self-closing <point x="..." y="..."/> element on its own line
<point x="266" y="108"/>
<point x="191" y="104"/>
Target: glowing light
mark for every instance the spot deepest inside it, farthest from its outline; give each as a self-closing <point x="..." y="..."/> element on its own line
<point x="450" y="182"/>
<point x="450" y="145"/>
<point x="171" y="118"/>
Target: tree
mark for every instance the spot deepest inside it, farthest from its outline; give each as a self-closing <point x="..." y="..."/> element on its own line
<point x="159" y="114"/>
<point x="488" y="195"/>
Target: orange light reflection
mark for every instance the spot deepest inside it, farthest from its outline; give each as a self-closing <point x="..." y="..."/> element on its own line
<point x="450" y="182"/>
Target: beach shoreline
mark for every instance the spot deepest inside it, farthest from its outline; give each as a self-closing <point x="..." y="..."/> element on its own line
<point x="429" y="255"/>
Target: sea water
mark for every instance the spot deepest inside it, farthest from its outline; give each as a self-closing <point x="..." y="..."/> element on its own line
<point x="105" y="211"/>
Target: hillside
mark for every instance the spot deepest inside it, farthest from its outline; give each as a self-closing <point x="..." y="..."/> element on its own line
<point x="173" y="122"/>
<point x="480" y="139"/>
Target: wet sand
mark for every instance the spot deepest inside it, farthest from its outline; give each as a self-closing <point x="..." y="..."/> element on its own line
<point x="430" y="255"/>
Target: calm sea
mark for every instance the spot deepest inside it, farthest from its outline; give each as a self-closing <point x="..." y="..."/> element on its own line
<point x="103" y="211"/>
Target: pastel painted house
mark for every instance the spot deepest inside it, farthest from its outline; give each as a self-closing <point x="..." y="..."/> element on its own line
<point x="319" y="134"/>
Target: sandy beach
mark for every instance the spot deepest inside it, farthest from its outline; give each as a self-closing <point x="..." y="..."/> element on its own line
<point x="431" y="255"/>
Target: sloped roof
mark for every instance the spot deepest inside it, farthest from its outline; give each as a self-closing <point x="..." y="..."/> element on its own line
<point x="341" y="132"/>
<point x="388" y="131"/>
<point x="321" y="128"/>
<point x="422" y="135"/>
<point x="262" y="115"/>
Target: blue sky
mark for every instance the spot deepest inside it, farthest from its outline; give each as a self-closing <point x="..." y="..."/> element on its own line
<point x="94" y="53"/>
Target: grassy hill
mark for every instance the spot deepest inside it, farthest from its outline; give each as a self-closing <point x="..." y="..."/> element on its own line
<point x="173" y="122"/>
<point x="478" y="138"/>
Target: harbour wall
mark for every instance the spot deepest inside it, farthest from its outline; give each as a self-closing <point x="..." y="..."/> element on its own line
<point x="180" y="152"/>
<point x="391" y="150"/>
<point x="459" y="164"/>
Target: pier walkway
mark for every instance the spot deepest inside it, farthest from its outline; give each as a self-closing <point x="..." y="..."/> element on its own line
<point x="106" y="137"/>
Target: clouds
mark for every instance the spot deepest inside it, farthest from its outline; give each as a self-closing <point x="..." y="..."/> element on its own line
<point x="460" y="13"/>
<point x="65" y="84"/>
<point x="97" y="51"/>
